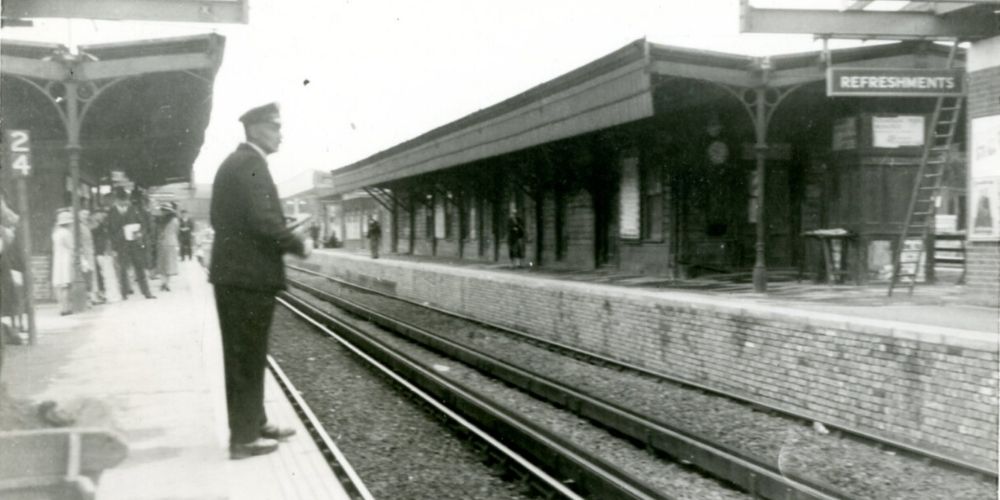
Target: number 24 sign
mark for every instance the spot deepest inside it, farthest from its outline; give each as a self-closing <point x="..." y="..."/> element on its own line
<point x="19" y="150"/>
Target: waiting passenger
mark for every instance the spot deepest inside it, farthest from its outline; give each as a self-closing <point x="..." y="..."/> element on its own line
<point x="88" y="260"/>
<point x="374" y="235"/>
<point x="185" y="234"/>
<point x="62" y="259"/>
<point x="168" y="245"/>
<point x="332" y="241"/>
<point x="515" y="239"/>
<point x="125" y="226"/>
<point x="314" y="234"/>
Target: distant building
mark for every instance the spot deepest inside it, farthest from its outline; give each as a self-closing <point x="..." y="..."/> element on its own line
<point x="311" y="193"/>
<point x="195" y="198"/>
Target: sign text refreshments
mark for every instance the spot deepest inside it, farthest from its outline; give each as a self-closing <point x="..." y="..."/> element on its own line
<point x="886" y="82"/>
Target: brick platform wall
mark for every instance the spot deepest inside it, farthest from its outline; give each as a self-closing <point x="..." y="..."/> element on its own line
<point x="931" y="387"/>
<point x="982" y="277"/>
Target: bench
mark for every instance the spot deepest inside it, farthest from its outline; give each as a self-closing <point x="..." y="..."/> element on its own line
<point x="63" y="463"/>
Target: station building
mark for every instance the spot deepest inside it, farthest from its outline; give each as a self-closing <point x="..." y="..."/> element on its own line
<point x="106" y="114"/>
<point x="309" y="193"/>
<point x="644" y="161"/>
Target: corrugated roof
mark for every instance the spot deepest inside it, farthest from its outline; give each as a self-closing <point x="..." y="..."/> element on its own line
<point x="630" y="53"/>
<point x="612" y="90"/>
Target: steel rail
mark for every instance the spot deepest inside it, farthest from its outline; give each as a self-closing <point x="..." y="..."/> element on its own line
<point x="598" y="479"/>
<point x="338" y="463"/>
<point x="946" y="460"/>
<point x="720" y="461"/>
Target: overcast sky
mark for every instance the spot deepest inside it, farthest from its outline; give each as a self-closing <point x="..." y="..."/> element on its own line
<point x="383" y="71"/>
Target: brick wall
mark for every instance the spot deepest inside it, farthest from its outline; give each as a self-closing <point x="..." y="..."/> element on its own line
<point x="931" y="387"/>
<point x="579" y="230"/>
<point x="982" y="277"/>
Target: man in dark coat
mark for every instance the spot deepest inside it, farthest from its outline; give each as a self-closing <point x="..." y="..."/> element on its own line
<point x="126" y="224"/>
<point x="247" y="271"/>
<point x="374" y="235"/>
<point x="185" y="235"/>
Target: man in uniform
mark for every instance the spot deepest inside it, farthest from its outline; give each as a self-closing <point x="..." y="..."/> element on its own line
<point x="247" y="271"/>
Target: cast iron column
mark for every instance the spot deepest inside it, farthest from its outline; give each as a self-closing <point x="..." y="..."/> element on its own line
<point x="77" y="289"/>
<point x="760" y="153"/>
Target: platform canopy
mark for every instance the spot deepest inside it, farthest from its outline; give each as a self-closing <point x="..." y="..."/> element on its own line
<point x="143" y="106"/>
<point x="613" y="90"/>
<point x="880" y="19"/>
<point x="205" y="11"/>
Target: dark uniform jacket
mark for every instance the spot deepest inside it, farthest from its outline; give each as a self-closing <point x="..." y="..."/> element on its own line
<point x="250" y="232"/>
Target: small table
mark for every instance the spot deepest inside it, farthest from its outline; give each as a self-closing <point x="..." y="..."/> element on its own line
<point x="836" y="269"/>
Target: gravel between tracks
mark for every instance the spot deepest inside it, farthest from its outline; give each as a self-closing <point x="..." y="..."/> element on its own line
<point x="664" y="475"/>
<point x="397" y="448"/>
<point x="858" y="469"/>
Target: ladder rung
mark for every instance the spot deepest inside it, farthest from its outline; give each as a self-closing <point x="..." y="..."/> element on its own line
<point x="922" y="213"/>
<point x="925" y="188"/>
<point x="946" y="122"/>
<point x="951" y="108"/>
<point x="936" y="174"/>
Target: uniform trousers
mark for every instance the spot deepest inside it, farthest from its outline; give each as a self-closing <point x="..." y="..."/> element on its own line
<point x="245" y="320"/>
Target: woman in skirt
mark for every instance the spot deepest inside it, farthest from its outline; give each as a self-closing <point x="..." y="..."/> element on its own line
<point x="168" y="245"/>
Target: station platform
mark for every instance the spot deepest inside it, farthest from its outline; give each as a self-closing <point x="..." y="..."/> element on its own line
<point x="941" y="305"/>
<point x="152" y="371"/>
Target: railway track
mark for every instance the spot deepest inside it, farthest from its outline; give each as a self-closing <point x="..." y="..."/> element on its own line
<point x="523" y="444"/>
<point x="339" y="465"/>
<point x="759" y="478"/>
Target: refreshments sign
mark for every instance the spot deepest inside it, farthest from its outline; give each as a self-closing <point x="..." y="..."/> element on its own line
<point x="887" y="82"/>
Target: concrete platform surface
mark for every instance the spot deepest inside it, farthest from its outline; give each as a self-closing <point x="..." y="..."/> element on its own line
<point x="152" y="369"/>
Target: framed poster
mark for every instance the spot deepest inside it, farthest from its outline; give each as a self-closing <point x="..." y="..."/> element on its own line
<point x="628" y="199"/>
<point x="897" y="131"/>
<point x="984" y="179"/>
<point x="985" y="212"/>
<point x="439" y="218"/>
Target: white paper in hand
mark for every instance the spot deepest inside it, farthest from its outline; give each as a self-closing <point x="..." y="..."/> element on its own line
<point x="131" y="231"/>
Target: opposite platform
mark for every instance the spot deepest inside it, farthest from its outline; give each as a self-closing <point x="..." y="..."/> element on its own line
<point x="927" y="384"/>
<point x="152" y="369"/>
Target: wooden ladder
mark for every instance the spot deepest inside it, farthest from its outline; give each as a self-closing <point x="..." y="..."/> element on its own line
<point x="934" y="164"/>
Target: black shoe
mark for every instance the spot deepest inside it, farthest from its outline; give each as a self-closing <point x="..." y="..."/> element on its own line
<point x="150" y="296"/>
<point x="261" y="446"/>
<point x="270" y="431"/>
